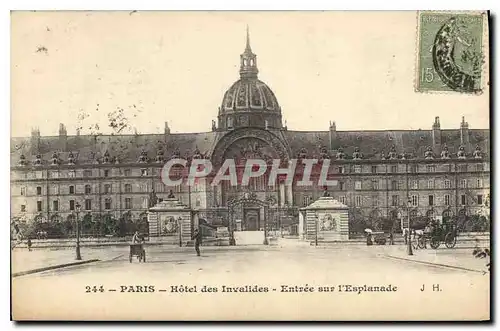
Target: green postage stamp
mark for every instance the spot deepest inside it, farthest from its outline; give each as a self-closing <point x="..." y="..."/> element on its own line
<point x="450" y="52"/>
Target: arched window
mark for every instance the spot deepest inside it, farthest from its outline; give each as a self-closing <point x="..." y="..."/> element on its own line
<point x="88" y="189"/>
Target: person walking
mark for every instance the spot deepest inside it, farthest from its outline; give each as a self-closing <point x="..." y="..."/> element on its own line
<point x="197" y="241"/>
<point x="29" y="244"/>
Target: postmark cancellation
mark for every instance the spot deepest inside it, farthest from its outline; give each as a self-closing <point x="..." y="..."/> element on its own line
<point x="451" y="52"/>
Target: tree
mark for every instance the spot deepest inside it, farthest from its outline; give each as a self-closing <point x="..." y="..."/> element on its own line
<point x="482" y="253"/>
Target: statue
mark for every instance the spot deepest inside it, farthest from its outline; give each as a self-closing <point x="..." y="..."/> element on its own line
<point x="153" y="199"/>
<point x="326" y="193"/>
<point x="171" y="195"/>
<point x="213" y="126"/>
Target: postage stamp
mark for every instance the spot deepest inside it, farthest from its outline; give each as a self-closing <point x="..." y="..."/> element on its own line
<point x="450" y="52"/>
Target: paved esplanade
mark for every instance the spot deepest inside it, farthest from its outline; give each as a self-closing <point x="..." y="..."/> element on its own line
<point x="257" y="278"/>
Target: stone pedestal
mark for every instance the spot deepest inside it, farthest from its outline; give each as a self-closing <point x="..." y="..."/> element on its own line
<point x="170" y="218"/>
<point x="327" y="220"/>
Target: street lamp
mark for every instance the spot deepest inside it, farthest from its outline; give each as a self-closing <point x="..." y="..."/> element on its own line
<point x="410" y="250"/>
<point x="316" y="219"/>
<point x="265" y="228"/>
<point x="78" y="255"/>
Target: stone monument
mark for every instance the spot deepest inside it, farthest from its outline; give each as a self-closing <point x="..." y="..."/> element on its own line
<point x="326" y="219"/>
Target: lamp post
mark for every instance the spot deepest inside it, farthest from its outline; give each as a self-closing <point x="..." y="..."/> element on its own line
<point x="265" y="226"/>
<point x="410" y="250"/>
<point x="316" y="218"/>
<point x="78" y="255"/>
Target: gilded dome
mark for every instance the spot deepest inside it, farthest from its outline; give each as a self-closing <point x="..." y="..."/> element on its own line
<point x="249" y="102"/>
<point x="249" y="94"/>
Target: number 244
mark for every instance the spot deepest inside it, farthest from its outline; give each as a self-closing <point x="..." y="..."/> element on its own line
<point x="94" y="289"/>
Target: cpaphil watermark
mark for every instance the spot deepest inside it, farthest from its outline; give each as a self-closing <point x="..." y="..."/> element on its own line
<point x="181" y="172"/>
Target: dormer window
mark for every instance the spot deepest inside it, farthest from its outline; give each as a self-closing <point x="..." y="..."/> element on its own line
<point x="71" y="159"/>
<point x="106" y="158"/>
<point x="302" y="154"/>
<point x="144" y="157"/>
<point x="445" y="154"/>
<point x="55" y="159"/>
<point x="429" y="155"/>
<point x="22" y="160"/>
<point x="197" y="154"/>
<point x="477" y="153"/>
<point x="340" y="154"/>
<point x="38" y="160"/>
<point x="461" y="152"/>
<point x="392" y="154"/>
<point x="357" y="154"/>
<point x="159" y="156"/>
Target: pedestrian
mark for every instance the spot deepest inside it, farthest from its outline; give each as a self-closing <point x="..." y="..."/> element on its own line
<point x="29" y="244"/>
<point x="197" y="241"/>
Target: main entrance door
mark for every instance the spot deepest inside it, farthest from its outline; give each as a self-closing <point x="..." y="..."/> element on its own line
<point x="251" y="218"/>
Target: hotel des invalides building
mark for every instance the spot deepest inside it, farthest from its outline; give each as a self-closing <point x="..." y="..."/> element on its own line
<point x="379" y="175"/>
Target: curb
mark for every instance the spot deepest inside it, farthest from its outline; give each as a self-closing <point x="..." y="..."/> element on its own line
<point x="434" y="264"/>
<point x="58" y="266"/>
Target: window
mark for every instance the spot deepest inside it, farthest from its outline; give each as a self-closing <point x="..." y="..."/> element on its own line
<point x="431" y="168"/>
<point x="341" y="186"/>
<point x="126" y="172"/>
<point x="107" y="203"/>
<point x="447" y="200"/>
<point x="128" y="188"/>
<point x="414" y="200"/>
<point x="198" y="202"/>
<point x="144" y="172"/>
<point x="375" y="201"/>
<point x="88" y="204"/>
<point x="71" y="189"/>
<point x="38" y="174"/>
<point x="106" y="173"/>
<point x="375" y="184"/>
<point x="341" y="170"/>
<point x="479" y="183"/>
<point x="462" y="168"/>
<point x="38" y="206"/>
<point x="71" y="204"/>
<point x="55" y="205"/>
<point x="479" y="199"/>
<point x="72" y="174"/>
<point x="357" y="169"/>
<point x="54" y="174"/>
<point x="374" y="169"/>
<point x="394" y="168"/>
<point x="463" y="199"/>
<point x="87" y="173"/>
<point x="160" y="187"/>
<point x="144" y="187"/>
<point x="414" y="185"/>
<point x="23" y="208"/>
<point x="357" y="185"/>
<point x="431" y="200"/>
<point x="394" y="185"/>
<point x="23" y="190"/>
<point x="479" y="167"/>
<point x="413" y="168"/>
<point x="447" y="183"/>
<point x="358" y="200"/>
<point x="463" y="183"/>
<point x="88" y="189"/>
<point x="342" y="199"/>
<point x="430" y="184"/>
<point x="107" y="188"/>
<point x="144" y="202"/>
<point x="395" y="200"/>
<point x="55" y="189"/>
<point x="38" y="190"/>
<point x="128" y="203"/>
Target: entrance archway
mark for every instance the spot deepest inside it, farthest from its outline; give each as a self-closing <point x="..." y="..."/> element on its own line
<point x="251" y="215"/>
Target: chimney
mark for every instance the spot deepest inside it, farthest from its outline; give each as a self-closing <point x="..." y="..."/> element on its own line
<point x="436" y="135"/>
<point x="35" y="141"/>
<point x="166" y="133"/>
<point x="464" y="134"/>
<point x="333" y="134"/>
<point x="63" y="138"/>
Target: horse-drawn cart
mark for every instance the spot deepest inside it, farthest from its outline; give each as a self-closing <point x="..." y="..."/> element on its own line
<point x="439" y="233"/>
<point x="139" y="251"/>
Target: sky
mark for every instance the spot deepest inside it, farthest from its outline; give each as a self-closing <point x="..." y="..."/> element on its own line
<point x="355" y="68"/>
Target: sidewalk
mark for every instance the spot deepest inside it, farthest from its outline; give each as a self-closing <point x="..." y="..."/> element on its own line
<point x="443" y="257"/>
<point x="24" y="260"/>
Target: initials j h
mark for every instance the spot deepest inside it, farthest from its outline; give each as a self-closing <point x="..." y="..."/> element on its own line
<point x="435" y="288"/>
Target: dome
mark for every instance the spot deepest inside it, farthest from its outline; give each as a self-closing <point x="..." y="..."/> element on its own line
<point x="249" y="101"/>
<point x="248" y="95"/>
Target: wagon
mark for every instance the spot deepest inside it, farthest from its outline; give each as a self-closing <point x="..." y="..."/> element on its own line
<point x="139" y="251"/>
<point x="446" y="233"/>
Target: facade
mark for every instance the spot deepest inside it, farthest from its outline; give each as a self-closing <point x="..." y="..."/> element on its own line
<point x="442" y="172"/>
